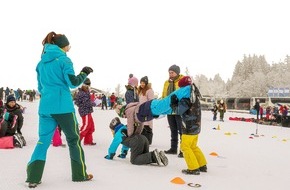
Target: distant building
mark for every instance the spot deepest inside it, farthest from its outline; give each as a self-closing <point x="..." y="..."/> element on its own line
<point x="279" y="92"/>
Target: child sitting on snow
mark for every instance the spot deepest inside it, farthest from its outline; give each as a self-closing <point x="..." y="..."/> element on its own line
<point x="14" y="109"/>
<point x="8" y="137"/>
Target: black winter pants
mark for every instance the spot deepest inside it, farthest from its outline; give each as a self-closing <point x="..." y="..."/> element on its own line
<point x="139" y="147"/>
<point x="175" y="124"/>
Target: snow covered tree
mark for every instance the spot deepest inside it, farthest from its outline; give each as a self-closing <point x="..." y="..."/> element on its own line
<point x="118" y="90"/>
<point x="202" y="83"/>
<point x="217" y="87"/>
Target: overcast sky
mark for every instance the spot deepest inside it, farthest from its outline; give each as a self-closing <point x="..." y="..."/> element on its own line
<point x="120" y="37"/>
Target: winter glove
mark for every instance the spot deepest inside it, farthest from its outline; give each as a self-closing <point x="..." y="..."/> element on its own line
<point x="9" y="116"/>
<point x="124" y="132"/>
<point x="147" y="129"/>
<point x="87" y="70"/>
<point x="173" y="103"/>
<point x="123" y="154"/>
<point x="110" y="157"/>
<point x="6" y="116"/>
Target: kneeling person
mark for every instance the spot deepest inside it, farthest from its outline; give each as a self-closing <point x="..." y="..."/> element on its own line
<point x="138" y="145"/>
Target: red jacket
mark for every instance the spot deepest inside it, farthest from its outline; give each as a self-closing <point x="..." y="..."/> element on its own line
<point x="112" y="98"/>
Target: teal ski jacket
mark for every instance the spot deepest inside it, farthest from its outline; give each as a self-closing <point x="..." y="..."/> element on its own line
<point x="55" y="77"/>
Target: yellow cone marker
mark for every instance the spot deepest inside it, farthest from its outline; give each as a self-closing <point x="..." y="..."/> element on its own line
<point x="218" y="128"/>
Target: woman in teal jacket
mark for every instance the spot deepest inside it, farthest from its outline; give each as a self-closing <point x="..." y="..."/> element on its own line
<point x="55" y="76"/>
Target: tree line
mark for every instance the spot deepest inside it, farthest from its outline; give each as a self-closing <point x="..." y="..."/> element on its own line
<point x="253" y="76"/>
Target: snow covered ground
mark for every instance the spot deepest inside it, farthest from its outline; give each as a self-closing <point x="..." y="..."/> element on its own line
<point x="242" y="163"/>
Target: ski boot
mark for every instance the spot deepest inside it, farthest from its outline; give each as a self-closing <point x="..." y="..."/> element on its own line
<point x="156" y="157"/>
<point x="191" y="172"/>
<point x="33" y="185"/>
<point x="180" y="155"/>
<point x="203" y="168"/>
<point x="163" y="158"/>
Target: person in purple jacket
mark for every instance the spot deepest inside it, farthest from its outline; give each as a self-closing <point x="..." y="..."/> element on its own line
<point x="85" y="108"/>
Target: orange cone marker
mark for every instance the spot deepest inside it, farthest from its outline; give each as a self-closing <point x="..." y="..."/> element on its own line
<point x="213" y="154"/>
<point x="177" y="180"/>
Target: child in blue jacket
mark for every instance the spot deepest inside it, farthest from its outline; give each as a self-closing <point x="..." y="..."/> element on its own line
<point x="118" y="130"/>
<point x="138" y="144"/>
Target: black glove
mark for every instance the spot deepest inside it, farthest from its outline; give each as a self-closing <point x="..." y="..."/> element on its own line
<point x="87" y="70"/>
<point x="173" y="103"/>
<point x="147" y="129"/>
<point x="110" y="157"/>
<point x="124" y="132"/>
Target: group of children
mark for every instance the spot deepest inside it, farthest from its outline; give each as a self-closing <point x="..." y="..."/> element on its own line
<point x="184" y="102"/>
